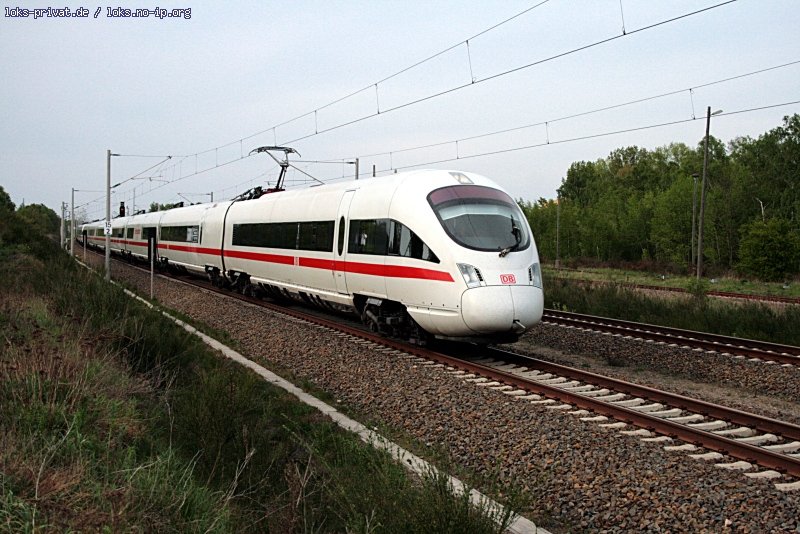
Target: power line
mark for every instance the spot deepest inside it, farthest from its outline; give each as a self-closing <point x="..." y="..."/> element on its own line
<point x="236" y="187"/>
<point x="462" y="139"/>
<point x="240" y="141"/>
<point x="580" y="114"/>
<point x="401" y="71"/>
<point x="554" y="142"/>
<point x="609" y="39"/>
<point x="503" y="73"/>
<point x="453" y="47"/>
<point x="140" y="156"/>
<point x="591" y="136"/>
<point x="341" y="99"/>
<point x="370" y="86"/>
<point x="137" y="175"/>
<point x="166" y="158"/>
<point x="453" y="89"/>
<point x="334" y="161"/>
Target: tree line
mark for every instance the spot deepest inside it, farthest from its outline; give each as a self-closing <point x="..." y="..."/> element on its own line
<point x="30" y="227"/>
<point x="636" y="205"/>
<point x="34" y="217"/>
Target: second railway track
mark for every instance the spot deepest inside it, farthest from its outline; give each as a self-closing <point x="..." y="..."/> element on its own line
<point x="756" y="440"/>
<point x="748" y="348"/>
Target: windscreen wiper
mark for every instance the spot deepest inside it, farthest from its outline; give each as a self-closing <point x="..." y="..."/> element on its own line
<point x="517" y="236"/>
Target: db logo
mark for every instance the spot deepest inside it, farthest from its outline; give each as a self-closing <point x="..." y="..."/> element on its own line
<point x="508" y="279"/>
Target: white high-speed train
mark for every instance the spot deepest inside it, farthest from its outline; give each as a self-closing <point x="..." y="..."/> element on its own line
<point x="417" y="254"/>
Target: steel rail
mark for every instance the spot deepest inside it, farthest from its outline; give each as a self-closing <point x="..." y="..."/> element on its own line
<point x="708" y="440"/>
<point x="713" y="342"/>
<point x="709" y="409"/>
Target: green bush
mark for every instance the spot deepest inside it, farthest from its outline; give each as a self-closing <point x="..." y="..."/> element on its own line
<point x="770" y="250"/>
<point x="697" y="288"/>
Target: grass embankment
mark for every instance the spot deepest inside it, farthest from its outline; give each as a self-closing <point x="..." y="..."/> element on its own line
<point x="671" y="280"/>
<point x="777" y="324"/>
<point x="114" y="419"/>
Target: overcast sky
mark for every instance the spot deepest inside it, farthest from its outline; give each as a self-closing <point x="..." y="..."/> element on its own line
<point x="181" y="86"/>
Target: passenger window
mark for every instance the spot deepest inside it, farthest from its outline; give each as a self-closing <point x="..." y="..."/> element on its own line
<point x="180" y="234"/>
<point x="312" y="235"/>
<point x="385" y="237"/>
<point x="316" y="236"/>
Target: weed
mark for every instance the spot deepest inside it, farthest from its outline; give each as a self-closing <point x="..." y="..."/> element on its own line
<point x="696" y="312"/>
<point x="697" y="288"/>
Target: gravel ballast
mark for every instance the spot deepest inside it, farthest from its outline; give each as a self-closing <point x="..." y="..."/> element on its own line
<point x="767" y="389"/>
<point x="581" y="477"/>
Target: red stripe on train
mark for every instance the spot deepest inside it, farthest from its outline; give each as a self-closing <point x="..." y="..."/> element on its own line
<point x="393" y="271"/>
<point x="260" y="256"/>
<point x="373" y="269"/>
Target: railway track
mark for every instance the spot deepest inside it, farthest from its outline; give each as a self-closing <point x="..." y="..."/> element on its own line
<point x="768" y="446"/>
<point x="747" y="348"/>
<point x="712" y="293"/>
<point x="660" y="416"/>
<point x="725" y="294"/>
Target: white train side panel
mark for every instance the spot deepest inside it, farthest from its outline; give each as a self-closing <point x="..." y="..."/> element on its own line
<point x="450" y="249"/>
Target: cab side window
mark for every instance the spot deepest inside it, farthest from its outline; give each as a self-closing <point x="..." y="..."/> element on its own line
<point x="369" y="236"/>
<point x="406" y="243"/>
<point x="387" y="237"/>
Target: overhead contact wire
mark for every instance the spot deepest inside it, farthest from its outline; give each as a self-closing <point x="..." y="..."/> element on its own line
<point x="510" y="71"/>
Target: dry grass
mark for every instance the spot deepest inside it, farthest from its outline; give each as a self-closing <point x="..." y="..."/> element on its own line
<point x="113" y="419"/>
<point x="69" y="420"/>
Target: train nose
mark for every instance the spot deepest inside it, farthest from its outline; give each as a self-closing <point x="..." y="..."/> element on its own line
<point x="511" y="308"/>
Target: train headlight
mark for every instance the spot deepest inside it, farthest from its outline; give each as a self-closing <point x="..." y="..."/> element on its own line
<point x="535" y="275"/>
<point x="472" y="276"/>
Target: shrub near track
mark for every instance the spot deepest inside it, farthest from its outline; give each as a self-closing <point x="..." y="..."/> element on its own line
<point x="776" y="324"/>
<point x="113" y="418"/>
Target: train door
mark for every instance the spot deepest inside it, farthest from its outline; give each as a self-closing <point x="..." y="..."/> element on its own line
<point x="340" y="247"/>
<point x="147" y="233"/>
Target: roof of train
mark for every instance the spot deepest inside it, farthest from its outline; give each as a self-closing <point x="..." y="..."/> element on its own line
<point x="434" y="175"/>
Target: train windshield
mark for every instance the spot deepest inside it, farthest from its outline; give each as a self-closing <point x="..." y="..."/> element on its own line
<point x="480" y="218"/>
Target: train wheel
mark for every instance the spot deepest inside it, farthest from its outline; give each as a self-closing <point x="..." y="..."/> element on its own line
<point x="370" y="318"/>
<point x="216" y="279"/>
<point x="241" y="283"/>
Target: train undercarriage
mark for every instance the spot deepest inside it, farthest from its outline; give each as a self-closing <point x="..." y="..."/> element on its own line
<point x="382" y="316"/>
